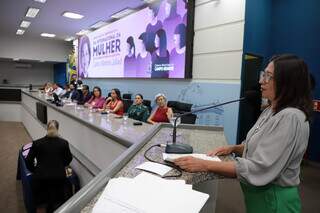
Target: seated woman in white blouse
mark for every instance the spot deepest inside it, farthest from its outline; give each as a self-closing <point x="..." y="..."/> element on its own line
<point x="269" y="168"/>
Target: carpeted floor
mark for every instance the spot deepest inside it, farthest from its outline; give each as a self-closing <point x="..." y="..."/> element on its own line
<point x="230" y="198"/>
<point x="13" y="136"/>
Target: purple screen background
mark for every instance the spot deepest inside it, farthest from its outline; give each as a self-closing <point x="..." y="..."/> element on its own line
<point x="138" y="64"/>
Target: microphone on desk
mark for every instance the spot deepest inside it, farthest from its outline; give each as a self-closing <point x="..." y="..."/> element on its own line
<point x="250" y="96"/>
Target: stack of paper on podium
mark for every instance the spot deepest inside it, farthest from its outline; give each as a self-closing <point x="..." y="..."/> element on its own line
<point x="148" y="193"/>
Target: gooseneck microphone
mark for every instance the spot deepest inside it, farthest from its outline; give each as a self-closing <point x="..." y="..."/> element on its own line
<point x="250" y="96"/>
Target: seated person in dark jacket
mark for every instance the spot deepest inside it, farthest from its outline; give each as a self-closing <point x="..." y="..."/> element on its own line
<point x="86" y="94"/>
<point x="138" y="111"/>
<point x="52" y="155"/>
<point x="74" y="94"/>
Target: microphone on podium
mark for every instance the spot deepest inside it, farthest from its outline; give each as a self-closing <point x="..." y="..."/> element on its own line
<point x="250" y="96"/>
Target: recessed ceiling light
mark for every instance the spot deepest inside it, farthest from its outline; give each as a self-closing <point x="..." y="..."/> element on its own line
<point x="41" y="1"/>
<point x="149" y="1"/>
<point x="48" y="35"/>
<point x="75" y="42"/>
<point x="122" y="13"/>
<point x="99" y="24"/>
<point x="69" y="39"/>
<point x="83" y="32"/>
<point x="72" y="15"/>
<point x="25" y="24"/>
<point x="32" y="12"/>
<point x="20" y="32"/>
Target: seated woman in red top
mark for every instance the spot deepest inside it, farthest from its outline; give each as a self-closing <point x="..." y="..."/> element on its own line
<point x="114" y="103"/>
<point x="162" y="113"/>
<point x="96" y="101"/>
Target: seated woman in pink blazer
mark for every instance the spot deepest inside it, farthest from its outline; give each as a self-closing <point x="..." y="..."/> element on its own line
<point x="96" y="101"/>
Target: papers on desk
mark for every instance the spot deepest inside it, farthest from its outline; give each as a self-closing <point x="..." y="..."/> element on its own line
<point x="172" y="157"/>
<point x="156" y="168"/>
<point x="148" y="193"/>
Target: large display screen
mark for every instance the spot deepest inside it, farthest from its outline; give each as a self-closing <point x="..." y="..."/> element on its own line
<point x="154" y="42"/>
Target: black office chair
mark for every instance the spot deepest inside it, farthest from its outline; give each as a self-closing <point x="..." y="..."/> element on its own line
<point x="179" y="107"/>
<point x="173" y="105"/>
<point x="126" y="104"/>
<point x="183" y="107"/>
<point x="109" y="94"/>
<point x="147" y="103"/>
<point x="189" y="119"/>
<point x="127" y="96"/>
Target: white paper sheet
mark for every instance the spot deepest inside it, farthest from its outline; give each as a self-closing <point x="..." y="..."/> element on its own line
<point x="154" y="168"/>
<point x="148" y="193"/>
<point x="172" y="157"/>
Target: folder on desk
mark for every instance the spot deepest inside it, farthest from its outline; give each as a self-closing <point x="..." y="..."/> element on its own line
<point x="148" y="193"/>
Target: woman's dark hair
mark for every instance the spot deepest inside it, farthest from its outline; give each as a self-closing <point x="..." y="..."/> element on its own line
<point x="181" y="30"/>
<point x="144" y="38"/>
<point x="97" y="88"/>
<point x="155" y="8"/>
<point x="117" y="91"/>
<point x="139" y="95"/>
<point x="130" y="41"/>
<point x="85" y="40"/>
<point x="292" y="84"/>
<point x="312" y="82"/>
<point x="85" y="87"/>
<point x="162" y="42"/>
<point x="173" y="10"/>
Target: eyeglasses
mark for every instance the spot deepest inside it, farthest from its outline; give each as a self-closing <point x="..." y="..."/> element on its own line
<point x="266" y="77"/>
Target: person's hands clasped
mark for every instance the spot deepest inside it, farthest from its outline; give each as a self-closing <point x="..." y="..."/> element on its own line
<point x="224" y="150"/>
<point x="191" y="164"/>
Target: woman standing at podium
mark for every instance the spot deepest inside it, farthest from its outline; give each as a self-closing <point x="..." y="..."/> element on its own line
<point x="269" y="167"/>
<point x="52" y="155"/>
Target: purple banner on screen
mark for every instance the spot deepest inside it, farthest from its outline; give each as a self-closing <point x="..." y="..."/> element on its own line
<point x="150" y="43"/>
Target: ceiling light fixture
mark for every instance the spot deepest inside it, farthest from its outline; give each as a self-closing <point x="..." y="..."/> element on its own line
<point x="149" y="1"/>
<point x="99" y="24"/>
<point x="83" y="32"/>
<point x="32" y="12"/>
<point x="122" y="13"/>
<point x="48" y="35"/>
<point x="20" y="32"/>
<point x="69" y="39"/>
<point x="25" y="24"/>
<point x="41" y="1"/>
<point x="72" y="15"/>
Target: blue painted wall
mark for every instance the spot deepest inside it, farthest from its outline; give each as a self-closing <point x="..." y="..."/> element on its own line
<point x="296" y="29"/>
<point x="60" y="73"/>
<point x="257" y="28"/>
<point x="287" y="26"/>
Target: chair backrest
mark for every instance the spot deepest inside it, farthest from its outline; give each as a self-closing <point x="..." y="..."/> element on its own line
<point x="179" y="107"/>
<point x="126" y="104"/>
<point x="183" y="107"/>
<point x="127" y="96"/>
<point x="147" y="103"/>
<point x="189" y="119"/>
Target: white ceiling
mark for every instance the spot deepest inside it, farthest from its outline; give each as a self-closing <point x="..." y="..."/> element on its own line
<point x="49" y="19"/>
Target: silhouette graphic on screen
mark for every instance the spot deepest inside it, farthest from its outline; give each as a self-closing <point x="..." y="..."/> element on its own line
<point x="171" y="21"/>
<point x="177" y="55"/>
<point x="185" y="17"/>
<point x="130" y="63"/>
<point x="84" y="56"/>
<point x="160" y="57"/>
<point x="143" y="58"/>
<point x="153" y="26"/>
